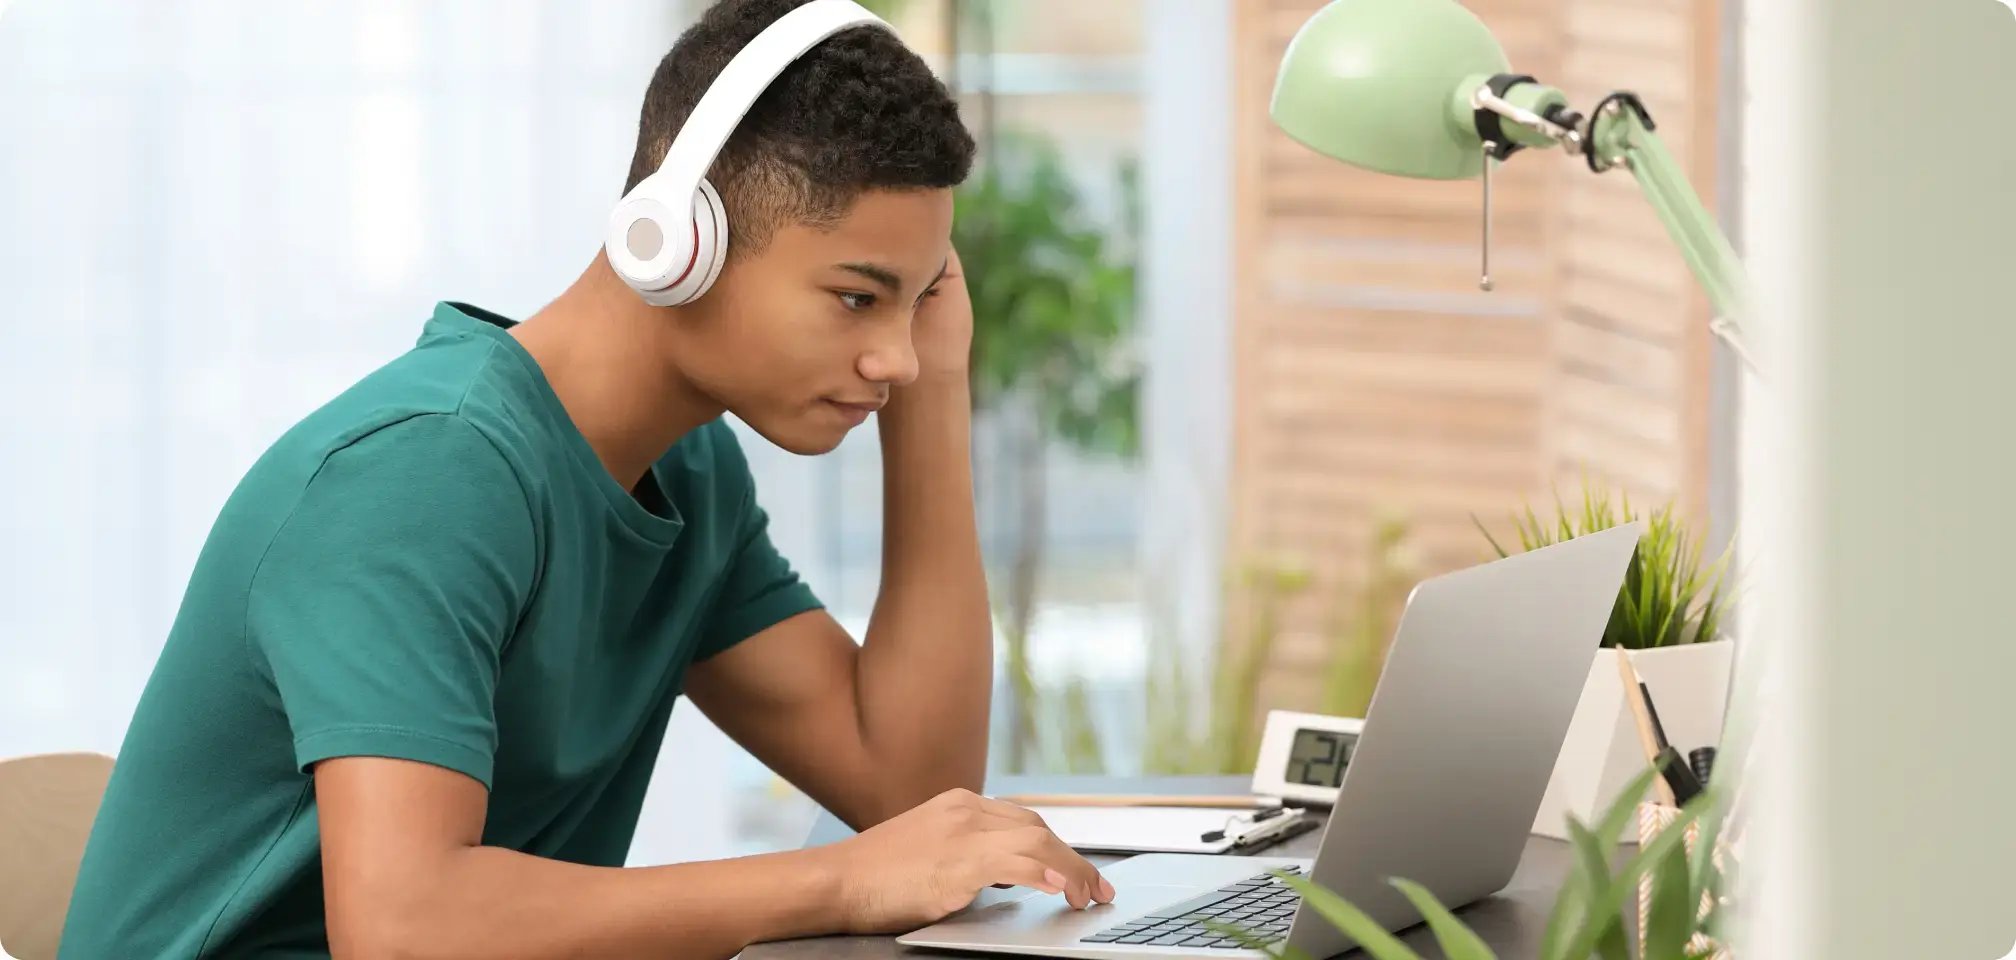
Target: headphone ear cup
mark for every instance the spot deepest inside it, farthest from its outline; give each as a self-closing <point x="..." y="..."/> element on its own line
<point x="713" y="236"/>
<point x="708" y="233"/>
<point x="649" y="245"/>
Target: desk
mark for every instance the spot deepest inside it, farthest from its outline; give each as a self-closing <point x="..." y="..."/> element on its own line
<point x="1510" y="922"/>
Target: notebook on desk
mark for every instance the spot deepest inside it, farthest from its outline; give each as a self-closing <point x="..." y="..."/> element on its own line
<point x="1172" y="829"/>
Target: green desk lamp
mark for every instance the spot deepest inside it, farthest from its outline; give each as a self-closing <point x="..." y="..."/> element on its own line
<point x="1420" y="88"/>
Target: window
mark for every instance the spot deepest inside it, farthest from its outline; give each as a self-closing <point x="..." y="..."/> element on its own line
<point x="290" y="189"/>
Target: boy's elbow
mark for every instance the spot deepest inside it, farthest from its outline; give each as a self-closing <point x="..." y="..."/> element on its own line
<point x="386" y="925"/>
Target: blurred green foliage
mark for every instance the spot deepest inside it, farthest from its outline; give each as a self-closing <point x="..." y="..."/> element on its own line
<point x="1053" y="353"/>
<point x="1053" y="296"/>
<point x="1356" y="633"/>
<point x="1670" y="597"/>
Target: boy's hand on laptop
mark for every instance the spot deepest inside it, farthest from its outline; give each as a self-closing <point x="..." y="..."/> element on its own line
<point x="919" y="866"/>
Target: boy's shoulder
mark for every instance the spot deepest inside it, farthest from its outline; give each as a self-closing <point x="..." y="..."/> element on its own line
<point x="412" y="395"/>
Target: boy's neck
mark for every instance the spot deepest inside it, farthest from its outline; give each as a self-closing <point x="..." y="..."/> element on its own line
<point x="608" y="356"/>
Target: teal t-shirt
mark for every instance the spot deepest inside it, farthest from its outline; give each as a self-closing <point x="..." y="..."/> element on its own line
<point x="436" y="567"/>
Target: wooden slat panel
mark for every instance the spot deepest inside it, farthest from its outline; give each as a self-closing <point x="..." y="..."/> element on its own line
<point x="1349" y="408"/>
<point x="1440" y="230"/>
<point x="1652" y="366"/>
<point x="1625" y="306"/>
<point x="1610" y="208"/>
<point x="1372" y="378"/>
<point x="1626" y="259"/>
<point x="1439" y="333"/>
<point x="1450" y="376"/>
<point x="1622" y="411"/>
<point x="1660" y="81"/>
<point x="1660" y="32"/>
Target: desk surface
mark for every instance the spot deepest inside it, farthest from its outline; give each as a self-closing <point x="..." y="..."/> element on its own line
<point x="1511" y="922"/>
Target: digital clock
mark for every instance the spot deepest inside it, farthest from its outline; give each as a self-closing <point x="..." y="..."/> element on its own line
<point x="1303" y="756"/>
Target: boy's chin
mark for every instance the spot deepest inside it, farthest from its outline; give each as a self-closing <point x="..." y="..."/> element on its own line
<point x="803" y="437"/>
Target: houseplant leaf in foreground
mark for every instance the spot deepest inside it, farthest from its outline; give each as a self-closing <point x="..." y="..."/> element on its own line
<point x="1457" y="940"/>
<point x="1587" y="914"/>
<point x="1576" y="905"/>
<point x="1370" y="936"/>
<point x="1253" y="941"/>
<point x="1670" y="912"/>
<point x="1600" y="928"/>
<point x="1605" y="909"/>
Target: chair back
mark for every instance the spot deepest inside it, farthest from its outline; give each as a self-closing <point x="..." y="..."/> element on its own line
<point x="47" y="804"/>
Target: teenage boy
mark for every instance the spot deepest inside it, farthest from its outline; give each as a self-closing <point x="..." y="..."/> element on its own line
<point x="418" y="683"/>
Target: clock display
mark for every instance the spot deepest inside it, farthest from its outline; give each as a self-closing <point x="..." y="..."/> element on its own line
<point x="1316" y="758"/>
<point x="1303" y="755"/>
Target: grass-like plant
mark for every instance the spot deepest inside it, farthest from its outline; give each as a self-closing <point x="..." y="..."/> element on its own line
<point x="1588" y="919"/>
<point x="1669" y="596"/>
<point x="1356" y="630"/>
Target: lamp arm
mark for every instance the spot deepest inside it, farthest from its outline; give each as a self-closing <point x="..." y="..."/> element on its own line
<point x="1702" y="243"/>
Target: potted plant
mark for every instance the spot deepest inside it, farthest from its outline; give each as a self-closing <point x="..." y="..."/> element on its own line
<point x="1676" y="881"/>
<point x="1667" y="622"/>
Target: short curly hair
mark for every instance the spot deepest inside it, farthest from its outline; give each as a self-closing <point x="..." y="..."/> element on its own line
<point x="859" y="111"/>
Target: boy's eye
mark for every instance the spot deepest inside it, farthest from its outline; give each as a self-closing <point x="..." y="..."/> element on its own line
<point x="857" y="301"/>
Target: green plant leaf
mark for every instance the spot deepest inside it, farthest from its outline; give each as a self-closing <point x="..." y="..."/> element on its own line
<point x="1369" y="935"/>
<point x="1702" y="872"/>
<point x="1604" y="912"/>
<point x="1253" y="941"/>
<point x="1571" y="904"/>
<point x="1488" y="538"/>
<point x="1602" y="930"/>
<point x="1597" y="926"/>
<point x="1669" y="919"/>
<point x="1458" y="941"/>
<point x="1668" y="596"/>
<point x="1623" y="809"/>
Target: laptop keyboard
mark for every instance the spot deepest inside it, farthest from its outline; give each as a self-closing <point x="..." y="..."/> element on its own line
<point x="1261" y="905"/>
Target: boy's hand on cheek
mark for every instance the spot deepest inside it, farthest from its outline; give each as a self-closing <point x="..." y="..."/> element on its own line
<point x="942" y="331"/>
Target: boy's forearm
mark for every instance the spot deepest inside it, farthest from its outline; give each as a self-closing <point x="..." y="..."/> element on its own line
<point x="927" y="668"/>
<point x="490" y="902"/>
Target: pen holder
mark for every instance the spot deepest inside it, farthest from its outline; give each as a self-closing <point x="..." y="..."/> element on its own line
<point x="1654" y="818"/>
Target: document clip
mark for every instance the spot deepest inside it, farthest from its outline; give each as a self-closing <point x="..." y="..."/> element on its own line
<point x="1272" y="823"/>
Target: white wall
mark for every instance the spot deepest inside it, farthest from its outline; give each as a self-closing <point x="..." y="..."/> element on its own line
<point x="1187" y="303"/>
<point x="216" y="215"/>
<point x="1880" y="193"/>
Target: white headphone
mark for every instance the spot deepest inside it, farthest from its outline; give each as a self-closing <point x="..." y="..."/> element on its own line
<point x="668" y="236"/>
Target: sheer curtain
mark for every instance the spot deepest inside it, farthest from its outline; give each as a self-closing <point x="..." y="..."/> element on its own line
<point x="216" y="216"/>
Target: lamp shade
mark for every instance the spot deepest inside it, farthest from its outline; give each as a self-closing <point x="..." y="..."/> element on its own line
<point x="1373" y="83"/>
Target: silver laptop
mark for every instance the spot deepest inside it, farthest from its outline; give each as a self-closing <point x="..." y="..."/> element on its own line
<point x="1469" y="715"/>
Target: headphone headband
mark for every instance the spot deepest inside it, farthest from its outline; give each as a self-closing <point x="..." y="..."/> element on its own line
<point x="682" y="230"/>
<point x="746" y="76"/>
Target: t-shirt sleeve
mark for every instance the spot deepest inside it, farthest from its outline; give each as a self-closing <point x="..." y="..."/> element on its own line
<point x="382" y="606"/>
<point x="761" y="588"/>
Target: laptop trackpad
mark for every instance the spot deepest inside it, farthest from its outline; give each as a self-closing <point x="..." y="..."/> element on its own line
<point x="1041" y="918"/>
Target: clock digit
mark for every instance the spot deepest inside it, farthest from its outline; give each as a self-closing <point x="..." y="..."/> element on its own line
<point x="1298" y="755"/>
<point x="1314" y="765"/>
<point x="1329" y="741"/>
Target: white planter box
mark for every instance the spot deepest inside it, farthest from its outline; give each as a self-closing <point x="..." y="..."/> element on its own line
<point x="1690" y="688"/>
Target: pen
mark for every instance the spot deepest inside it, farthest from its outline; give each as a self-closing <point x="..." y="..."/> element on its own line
<point x="1678" y="775"/>
<point x="1674" y="773"/>
<point x="1652" y="712"/>
<point x="1646" y="739"/>
<point x="1676" y="781"/>
<point x="1213" y="836"/>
